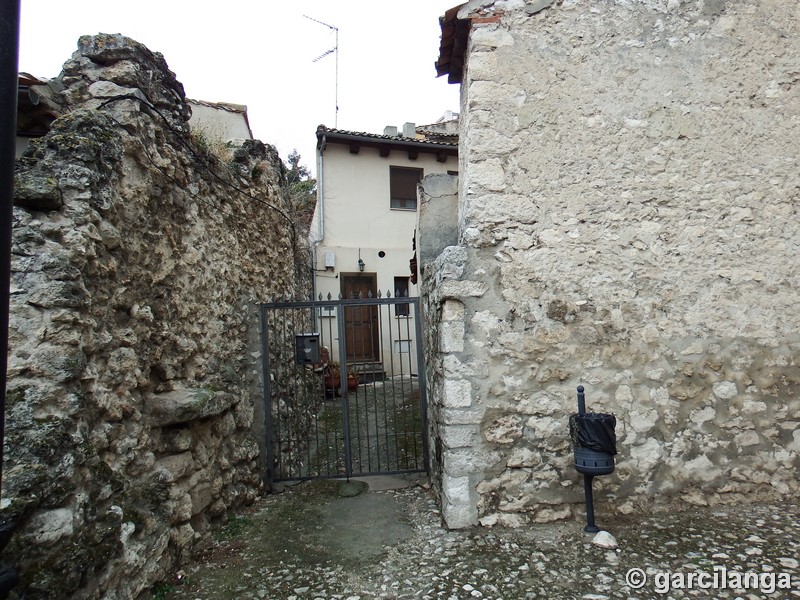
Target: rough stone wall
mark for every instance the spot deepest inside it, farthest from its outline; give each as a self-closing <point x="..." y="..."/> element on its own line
<point x="437" y="232"/>
<point x="138" y="257"/>
<point x="628" y="221"/>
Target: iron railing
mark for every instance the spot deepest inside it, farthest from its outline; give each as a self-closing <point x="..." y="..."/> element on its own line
<point x="344" y="388"/>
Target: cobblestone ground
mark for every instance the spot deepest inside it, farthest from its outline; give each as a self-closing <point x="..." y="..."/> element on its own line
<point x="309" y="543"/>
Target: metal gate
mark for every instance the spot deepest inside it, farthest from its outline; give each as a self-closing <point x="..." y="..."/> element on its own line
<point x="344" y="388"/>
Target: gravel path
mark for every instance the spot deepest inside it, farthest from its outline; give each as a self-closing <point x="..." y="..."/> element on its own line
<point x="309" y="543"/>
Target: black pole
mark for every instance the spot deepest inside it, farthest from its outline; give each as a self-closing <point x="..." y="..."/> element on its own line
<point x="581" y="401"/>
<point x="587" y="479"/>
<point x="587" y="494"/>
<point x="9" y="66"/>
<point x="9" y="60"/>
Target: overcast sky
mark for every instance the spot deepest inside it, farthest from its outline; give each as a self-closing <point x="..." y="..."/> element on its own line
<point x="260" y="53"/>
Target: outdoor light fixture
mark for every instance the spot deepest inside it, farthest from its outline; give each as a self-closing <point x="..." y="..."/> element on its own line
<point x="360" y="265"/>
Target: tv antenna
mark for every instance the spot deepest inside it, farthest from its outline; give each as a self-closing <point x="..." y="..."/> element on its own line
<point x="335" y="52"/>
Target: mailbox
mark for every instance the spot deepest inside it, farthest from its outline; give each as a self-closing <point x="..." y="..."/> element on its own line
<point x="307" y="348"/>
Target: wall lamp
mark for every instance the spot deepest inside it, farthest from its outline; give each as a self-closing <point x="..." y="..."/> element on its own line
<point x="360" y="265"/>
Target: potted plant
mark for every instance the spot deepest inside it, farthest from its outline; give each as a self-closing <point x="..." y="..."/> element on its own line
<point x="332" y="376"/>
<point x="352" y="380"/>
<point x="332" y="373"/>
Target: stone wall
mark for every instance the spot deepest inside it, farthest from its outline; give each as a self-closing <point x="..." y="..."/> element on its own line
<point x="628" y="221"/>
<point x="138" y="257"/>
<point x="437" y="234"/>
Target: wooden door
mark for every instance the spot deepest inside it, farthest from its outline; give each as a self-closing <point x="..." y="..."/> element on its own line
<point x="362" y="337"/>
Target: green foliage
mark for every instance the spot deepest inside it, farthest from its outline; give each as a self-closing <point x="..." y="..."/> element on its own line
<point x="297" y="172"/>
<point x="208" y="147"/>
<point x="161" y="591"/>
<point x="302" y="191"/>
<point x="235" y="527"/>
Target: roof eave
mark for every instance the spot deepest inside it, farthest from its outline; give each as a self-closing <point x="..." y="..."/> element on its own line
<point x="332" y="136"/>
<point x="452" y="48"/>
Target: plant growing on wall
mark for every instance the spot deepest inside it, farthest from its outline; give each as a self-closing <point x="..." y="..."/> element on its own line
<point x="302" y="191"/>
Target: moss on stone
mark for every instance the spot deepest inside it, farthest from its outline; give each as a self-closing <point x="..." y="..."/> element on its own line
<point x="49" y="441"/>
<point x="69" y="566"/>
<point x="144" y="499"/>
<point x="37" y="191"/>
<point x="202" y="396"/>
<point x="15" y="395"/>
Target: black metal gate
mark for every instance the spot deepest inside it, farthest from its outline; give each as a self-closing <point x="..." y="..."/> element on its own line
<point x="344" y="388"/>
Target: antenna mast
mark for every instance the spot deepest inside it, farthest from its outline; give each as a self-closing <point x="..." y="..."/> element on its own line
<point x="335" y="52"/>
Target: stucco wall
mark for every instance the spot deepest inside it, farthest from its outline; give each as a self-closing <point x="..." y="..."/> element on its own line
<point x="629" y="222"/>
<point x="220" y="123"/>
<point x="360" y="223"/>
<point x="355" y="201"/>
<point x="133" y="364"/>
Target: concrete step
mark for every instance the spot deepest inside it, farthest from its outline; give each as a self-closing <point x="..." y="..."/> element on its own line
<point x="368" y="372"/>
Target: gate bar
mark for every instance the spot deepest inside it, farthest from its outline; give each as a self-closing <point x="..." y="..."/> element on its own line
<point x="422" y="382"/>
<point x="344" y="394"/>
<point x="267" y="387"/>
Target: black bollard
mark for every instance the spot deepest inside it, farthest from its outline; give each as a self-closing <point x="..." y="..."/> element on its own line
<point x="594" y="445"/>
<point x="587" y="478"/>
<point x="581" y="401"/>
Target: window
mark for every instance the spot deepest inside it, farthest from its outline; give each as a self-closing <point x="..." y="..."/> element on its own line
<point x="403" y="187"/>
<point x="401" y="291"/>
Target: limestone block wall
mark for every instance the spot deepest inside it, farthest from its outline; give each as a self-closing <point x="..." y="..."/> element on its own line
<point x="139" y="256"/>
<point x="437" y="240"/>
<point x="628" y="221"/>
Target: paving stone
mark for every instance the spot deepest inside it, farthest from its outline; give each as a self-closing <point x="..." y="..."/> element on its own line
<point x="548" y="561"/>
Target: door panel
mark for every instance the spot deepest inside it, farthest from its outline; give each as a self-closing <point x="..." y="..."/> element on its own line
<point x="361" y="325"/>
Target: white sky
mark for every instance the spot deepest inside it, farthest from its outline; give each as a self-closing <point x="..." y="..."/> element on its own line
<point x="260" y="52"/>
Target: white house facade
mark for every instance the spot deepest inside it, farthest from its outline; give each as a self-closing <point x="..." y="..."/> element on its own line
<point x="365" y="220"/>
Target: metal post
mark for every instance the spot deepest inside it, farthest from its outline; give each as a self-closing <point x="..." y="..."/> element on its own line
<point x="269" y="434"/>
<point x="587" y="492"/>
<point x="9" y="59"/>
<point x="587" y="479"/>
<point x="348" y="457"/>
<point x="421" y="376"/>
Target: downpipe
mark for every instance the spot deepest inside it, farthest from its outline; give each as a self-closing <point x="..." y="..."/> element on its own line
<point x="320" y="235"/>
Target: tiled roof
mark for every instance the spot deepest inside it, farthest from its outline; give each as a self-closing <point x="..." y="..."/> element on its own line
<point x="376" y="137"/>
<point x="228" y="106"/>
<point x="453" y="45"/>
